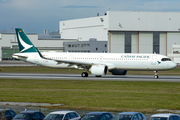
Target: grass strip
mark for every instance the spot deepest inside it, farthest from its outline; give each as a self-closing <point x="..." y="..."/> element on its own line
<point x="39" y="69"/>
<point x="101" y="95"/>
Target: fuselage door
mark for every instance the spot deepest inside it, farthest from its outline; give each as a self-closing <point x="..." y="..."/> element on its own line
<point x="153" y="60"/>
<point x="36" y="59"/>
<point x="101" y="58"/>
<point x="70" y="57"/>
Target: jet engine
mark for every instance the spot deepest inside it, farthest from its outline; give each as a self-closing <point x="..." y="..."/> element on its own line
<point x="99" y="70"/>
<point x="118" y="72"/>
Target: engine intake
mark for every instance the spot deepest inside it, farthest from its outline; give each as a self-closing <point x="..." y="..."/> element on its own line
<point x="99" y="70"/>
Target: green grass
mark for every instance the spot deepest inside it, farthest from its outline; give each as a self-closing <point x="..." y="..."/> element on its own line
<point x="39" y="69"/>
<point x="94" y="95"/>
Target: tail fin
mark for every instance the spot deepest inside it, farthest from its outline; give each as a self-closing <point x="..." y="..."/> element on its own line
<point x="24" y="43"/>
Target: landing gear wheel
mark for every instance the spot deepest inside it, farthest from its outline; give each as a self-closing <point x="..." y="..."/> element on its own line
<point x="156" y="75"/>
<point x="84" y="74"/>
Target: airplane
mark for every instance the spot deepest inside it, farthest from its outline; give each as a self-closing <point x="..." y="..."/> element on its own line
<point x="97" y="64"/>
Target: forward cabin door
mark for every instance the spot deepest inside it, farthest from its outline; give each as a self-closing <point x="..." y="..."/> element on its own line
<point x="153" y="60"/>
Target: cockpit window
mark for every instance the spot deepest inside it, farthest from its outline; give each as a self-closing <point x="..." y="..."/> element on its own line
<point x="165" y="59"/>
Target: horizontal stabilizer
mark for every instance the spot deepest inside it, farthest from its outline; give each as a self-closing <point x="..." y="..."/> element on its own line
<point x="20" y="57"/>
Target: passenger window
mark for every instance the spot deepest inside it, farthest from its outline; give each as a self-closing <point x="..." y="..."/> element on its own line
<point x="67" y="117"/>
<point x="103" y="117"/>
<point x="36" y="115"/>
<point x="76" y="114"/>
<point x="174" y="117"/>
<point x="140" y="117"/>
<point x="135" y="117"/>
<point x="7" y="113"/>
<point x="178" y="117"/>
<point x="170" y="118"/>
<point x="108" y="116"/>
<point x="41" y="115"/>
<point x="72" y="115"/>
<point x="12" y="112"/>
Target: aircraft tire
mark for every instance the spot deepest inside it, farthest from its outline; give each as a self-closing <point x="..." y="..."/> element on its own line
<point x="156" y="76"/>
<point x="84" y="74"/>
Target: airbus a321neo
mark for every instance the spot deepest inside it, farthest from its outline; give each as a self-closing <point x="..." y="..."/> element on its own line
<point x="97" y="64"/>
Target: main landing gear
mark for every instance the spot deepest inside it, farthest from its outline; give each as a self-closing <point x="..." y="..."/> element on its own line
<point x="84" y="74"/>
<point x="156" y="75"/>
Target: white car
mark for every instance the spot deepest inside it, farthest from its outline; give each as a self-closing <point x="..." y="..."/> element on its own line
<point x="165" y="116"/>
<point x="63" y="115"/>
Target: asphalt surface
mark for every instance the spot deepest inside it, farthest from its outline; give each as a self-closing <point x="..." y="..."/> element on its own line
<point x="46" y="76"/>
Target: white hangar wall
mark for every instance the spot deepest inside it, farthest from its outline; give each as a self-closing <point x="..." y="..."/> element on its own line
<point x="144" y="26"/>
<point x="84" y="29"/>
<point x="134" y="32"/>
<point x="143" y="21"/>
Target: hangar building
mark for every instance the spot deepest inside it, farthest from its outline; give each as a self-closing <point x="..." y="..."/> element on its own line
<point x="129" y="32"/>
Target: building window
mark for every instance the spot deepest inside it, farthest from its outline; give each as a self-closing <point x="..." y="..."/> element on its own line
<point x="156" y="37"/>
<point x="127" y="42"/>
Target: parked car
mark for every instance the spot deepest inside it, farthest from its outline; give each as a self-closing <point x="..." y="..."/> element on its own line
<point x="29" y="115"/>
<point x="63" y="115"/>
<point x="129" y="116"/>
<point x="97" y="116"/>
<point x="165" y="116"/>
<point x="7" y="114"/>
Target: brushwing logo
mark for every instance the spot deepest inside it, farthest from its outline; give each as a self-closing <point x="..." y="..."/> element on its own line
<point x="159" y="62"/>
<point x="25" y="45"/>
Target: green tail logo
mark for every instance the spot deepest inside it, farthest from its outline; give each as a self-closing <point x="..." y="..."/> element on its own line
<point x="24" y="43"/>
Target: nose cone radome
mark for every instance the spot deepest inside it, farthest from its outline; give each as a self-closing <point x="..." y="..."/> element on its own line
<point x="173" y="65"/>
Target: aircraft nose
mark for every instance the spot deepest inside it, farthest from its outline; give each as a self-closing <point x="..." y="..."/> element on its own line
<point x="174" y="65"/>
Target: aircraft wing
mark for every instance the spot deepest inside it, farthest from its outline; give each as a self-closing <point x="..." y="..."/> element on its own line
<point x="79" y="64"/>
<point x="83" y="64"/>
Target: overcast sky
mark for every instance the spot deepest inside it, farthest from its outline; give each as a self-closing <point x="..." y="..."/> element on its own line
<point x="36" y="15"/>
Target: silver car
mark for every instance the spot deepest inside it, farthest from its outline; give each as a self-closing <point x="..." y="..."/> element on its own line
<point x="129" y="116"/>
<point x="165" y="116"/>
<point x="63" y="115"/>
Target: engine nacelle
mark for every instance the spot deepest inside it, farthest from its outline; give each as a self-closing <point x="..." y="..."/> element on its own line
<point x="118" y="72"/>
<point x="99" y="70"/>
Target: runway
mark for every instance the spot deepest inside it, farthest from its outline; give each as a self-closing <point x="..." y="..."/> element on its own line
<point x="43" y="76"/>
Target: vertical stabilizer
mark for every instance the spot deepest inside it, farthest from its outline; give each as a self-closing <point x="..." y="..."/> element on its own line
<point x="24" y="43"/>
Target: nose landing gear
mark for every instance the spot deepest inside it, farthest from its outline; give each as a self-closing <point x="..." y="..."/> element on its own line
<point x="156" y="75"/>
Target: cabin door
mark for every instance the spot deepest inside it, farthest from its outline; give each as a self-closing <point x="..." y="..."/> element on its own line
<point x="70" y="57"/>
<point x="36" y="59"/>
<point x="153" y="60"/>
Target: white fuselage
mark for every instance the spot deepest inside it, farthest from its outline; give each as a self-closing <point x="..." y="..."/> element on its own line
<point x="122" y="61"/>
